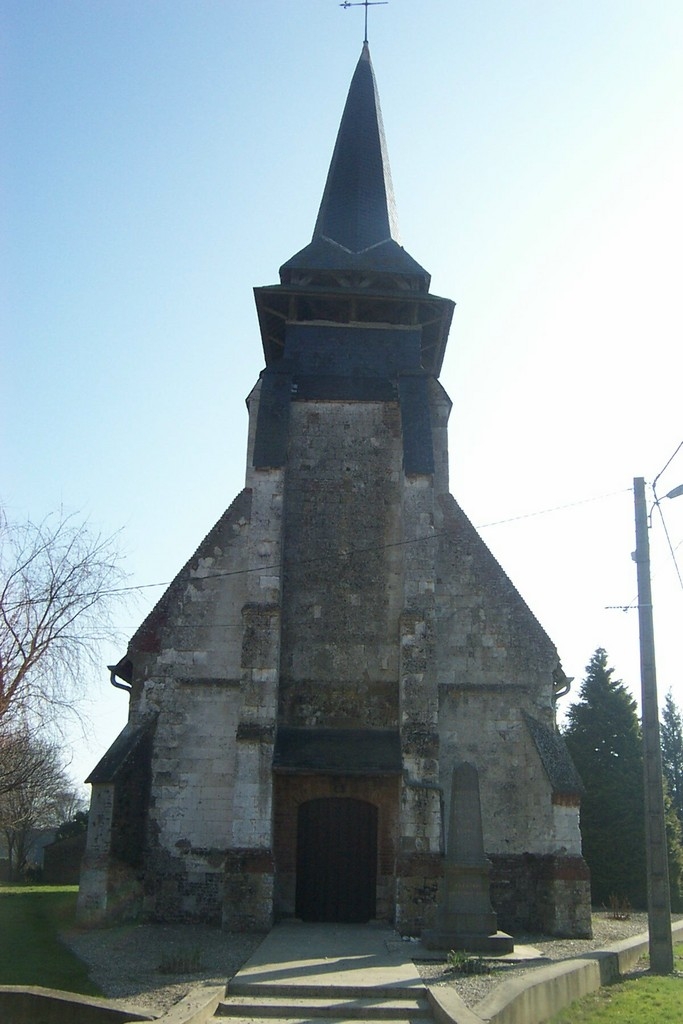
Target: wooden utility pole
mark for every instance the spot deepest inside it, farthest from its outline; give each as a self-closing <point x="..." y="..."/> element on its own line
<point x="658" y="898"/>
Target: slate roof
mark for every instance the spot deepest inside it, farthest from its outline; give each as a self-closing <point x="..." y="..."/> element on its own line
<point x="358" y="208"/>
<point x="345" y="751"/>
<point x="357" y="225"/>
<point x="555" y="758"/>
<point x="121" y="751"/>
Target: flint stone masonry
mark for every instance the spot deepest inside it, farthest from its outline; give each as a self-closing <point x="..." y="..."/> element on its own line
<point x="342" y="528"/>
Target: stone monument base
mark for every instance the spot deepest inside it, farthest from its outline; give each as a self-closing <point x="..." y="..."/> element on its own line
<point x="495" y="944"/>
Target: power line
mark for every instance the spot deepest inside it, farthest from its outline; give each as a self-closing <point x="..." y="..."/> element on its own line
<point x="368" y="549"/>
<point x="654" y="482"/>
<point x="380" y="547"/>
<point x="554" y="508"/>
<point x="672" y="550"/>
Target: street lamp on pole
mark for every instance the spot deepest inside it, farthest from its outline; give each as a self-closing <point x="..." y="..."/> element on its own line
<point x="658" y="897"/>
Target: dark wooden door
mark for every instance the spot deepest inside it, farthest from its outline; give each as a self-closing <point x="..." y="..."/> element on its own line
<point x="336" y="865"/>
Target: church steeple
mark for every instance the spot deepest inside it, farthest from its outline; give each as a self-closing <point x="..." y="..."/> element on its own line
<point x="354" y="271"/>
<point x="357" y="226"/>
<point x="358" y="208"/>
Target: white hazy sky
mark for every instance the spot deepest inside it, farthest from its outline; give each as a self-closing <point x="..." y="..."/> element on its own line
<point x="163" y="157"/>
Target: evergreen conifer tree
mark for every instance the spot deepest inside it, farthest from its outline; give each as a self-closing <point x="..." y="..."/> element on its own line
<point x="674" y="842"/>
<point x="604" y="739"/>
<point x="672" y="753"/>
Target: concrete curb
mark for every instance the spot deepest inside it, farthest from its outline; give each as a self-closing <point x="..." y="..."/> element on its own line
<point x="198" y="1006"/>
<point x="449" y="1008"/>
<point x="26" y="1004"/>
<point x="547" y="990"/>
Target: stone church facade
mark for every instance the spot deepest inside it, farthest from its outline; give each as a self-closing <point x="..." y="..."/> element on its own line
<point x="342" y="637"/>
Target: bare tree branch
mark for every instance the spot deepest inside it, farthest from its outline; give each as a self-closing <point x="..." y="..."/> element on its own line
<point x="58" y="584"/>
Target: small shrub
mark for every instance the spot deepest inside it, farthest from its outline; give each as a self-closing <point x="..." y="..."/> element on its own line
<point x="460" y="961"/>
<point x="181" y="961"/>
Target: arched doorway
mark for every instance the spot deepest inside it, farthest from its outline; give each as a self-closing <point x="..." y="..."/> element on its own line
<point x="336" y="862"/>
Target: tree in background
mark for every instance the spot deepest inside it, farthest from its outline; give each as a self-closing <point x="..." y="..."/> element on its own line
<point x="38" y="796"/>
<point x="672" y="753"/>
<point x="58" y="583"/>
<point x="674" y="842"/>
<point x="74" y="826"/>
<point x="604" y="739"/>
<point x="671" y="729"/>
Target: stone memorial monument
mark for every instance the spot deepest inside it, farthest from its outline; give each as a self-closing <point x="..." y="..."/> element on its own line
<point x="465" y="918"/>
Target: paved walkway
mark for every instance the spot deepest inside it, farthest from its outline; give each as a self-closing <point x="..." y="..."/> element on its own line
<point x="340" y="974"/>
<point x="314" y="956"/>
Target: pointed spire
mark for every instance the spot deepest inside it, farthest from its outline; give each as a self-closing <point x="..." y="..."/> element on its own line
<point x="357" y="227"/>
<point x="358" y="208"/>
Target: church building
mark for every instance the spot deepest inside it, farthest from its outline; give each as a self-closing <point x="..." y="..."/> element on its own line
<point x="342" y="637"/>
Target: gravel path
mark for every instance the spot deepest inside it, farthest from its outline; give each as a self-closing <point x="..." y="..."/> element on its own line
<point x="141" y="965"/>
<point x="126" y="961"/>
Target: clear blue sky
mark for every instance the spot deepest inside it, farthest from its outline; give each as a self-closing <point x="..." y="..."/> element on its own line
<point x="162" y="158"/>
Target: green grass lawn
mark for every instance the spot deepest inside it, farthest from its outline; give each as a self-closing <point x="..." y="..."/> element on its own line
<point x="31" y="918"/>
<point x="649" y="999"/>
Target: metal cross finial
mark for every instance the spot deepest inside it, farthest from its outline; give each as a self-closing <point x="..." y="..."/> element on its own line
<point x="365" y="4"/>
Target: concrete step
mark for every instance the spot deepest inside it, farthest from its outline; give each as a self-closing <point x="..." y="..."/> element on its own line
<point x="307" y="1019"/>
<point x="313" y="990"/>
<point x="297" y="1007"/>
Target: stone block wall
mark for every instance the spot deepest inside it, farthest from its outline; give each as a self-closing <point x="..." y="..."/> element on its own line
<point x="206" y="665"/>
<point x="487" y="633"/>
<point x="194" y="765"/>
<point x="485" y="726"/>
<point x="348" y="703"/>
<point x="93" y="902"/>
<point x="248" y="891"/>
<point x="417" y="886"/>
<point x="545" y="894"/>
